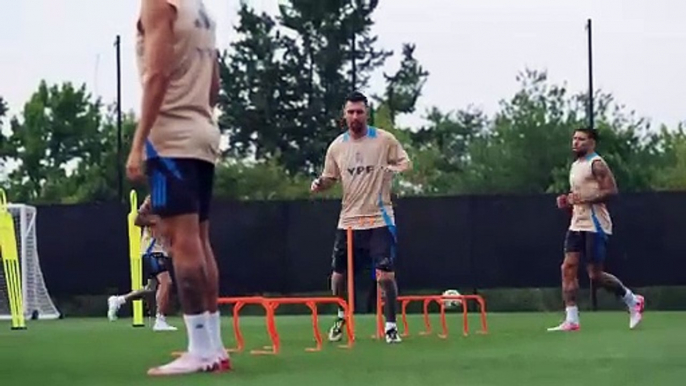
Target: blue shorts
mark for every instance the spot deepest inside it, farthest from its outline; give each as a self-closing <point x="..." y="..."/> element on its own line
<point x="374" y="247"/>
<point x="155" y="264"/>
<point x="180" y="186"/>
<point x="591" y="245"/>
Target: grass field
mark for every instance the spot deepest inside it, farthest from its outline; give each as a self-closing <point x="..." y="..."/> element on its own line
<point x="517" y="351"/>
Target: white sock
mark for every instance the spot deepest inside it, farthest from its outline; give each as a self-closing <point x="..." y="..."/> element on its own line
<point x="215" y="332"/>
<point x="341" y="314"/>
<point x="199" y="341"/>
<point x="572" y="314"/>
<point x="629" y="298"/>
<point x="390" y="325"/>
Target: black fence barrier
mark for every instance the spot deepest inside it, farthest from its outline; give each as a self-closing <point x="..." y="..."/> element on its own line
<point x="444" y="242"/>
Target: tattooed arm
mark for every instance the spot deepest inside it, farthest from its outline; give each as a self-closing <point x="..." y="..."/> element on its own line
<point x="606" y="183"/>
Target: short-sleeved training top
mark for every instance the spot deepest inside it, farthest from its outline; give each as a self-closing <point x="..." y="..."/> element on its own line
<point x="359" y="166"/>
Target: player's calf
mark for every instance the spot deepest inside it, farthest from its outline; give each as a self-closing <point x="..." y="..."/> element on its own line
<point x="635" y="303"/>
<point x="390" y="292"/>
<point x="191" y="279"/>
<point x="163" y="294"/>
<point x="338" y="289"/>
<point x="212" y="295"/>
<point x="115" y="302"/>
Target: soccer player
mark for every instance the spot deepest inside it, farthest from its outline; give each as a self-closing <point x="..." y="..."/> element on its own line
<point x="156" y="263"/>
<point x="592" y="185"/>
<point x="178" y="65"/>
<point x="364" y="160"/>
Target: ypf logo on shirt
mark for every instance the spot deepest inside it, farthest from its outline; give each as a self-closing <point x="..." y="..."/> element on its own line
<point x="359" y="168"/>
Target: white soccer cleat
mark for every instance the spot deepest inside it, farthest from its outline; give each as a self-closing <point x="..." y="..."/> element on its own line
<point x="392" y="336"/>
<point x="636" y="312"/>
<point x="186" y="364"/>
<point x="336" y="331"/>
<point x="566" y="327"/>
<point x="162" y="325"/>
<point x="113" y="305"/>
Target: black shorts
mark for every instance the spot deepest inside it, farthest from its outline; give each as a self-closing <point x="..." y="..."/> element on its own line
<point x="591" y="245"/>
<point x="180" y="186"/>
<point x="372" y="248"/>
<point x="155" y="264"/>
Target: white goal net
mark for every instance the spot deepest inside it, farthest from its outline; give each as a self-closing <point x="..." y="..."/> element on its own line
<point x="36" y="300"/>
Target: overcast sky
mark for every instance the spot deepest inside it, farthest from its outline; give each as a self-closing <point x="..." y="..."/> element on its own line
<point x="473" y="49"/>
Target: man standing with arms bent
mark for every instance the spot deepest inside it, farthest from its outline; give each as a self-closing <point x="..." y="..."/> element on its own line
<point x="592" y="184"/>
<point x="364" y="159"/>
<point x="178" y="65"/>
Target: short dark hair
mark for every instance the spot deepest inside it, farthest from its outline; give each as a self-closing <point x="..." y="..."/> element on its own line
<point x="355" y="97"/>
<point x="592" y="133"/>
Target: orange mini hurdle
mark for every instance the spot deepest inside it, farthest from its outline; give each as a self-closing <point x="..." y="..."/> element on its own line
<point x="427" y="300"/>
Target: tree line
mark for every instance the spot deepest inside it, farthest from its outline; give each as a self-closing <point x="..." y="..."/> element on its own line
<point x="283" y="83"/>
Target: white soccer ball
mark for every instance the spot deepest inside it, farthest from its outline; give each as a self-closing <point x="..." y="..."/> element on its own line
<point x="451" y="303"/>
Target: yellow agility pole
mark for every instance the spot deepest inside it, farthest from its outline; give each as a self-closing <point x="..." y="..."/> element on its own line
<point x="10" y="262"/>
<point x="136" y="260"/>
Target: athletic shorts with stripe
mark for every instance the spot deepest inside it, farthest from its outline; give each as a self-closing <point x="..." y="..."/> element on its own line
<point x="372" y="248"/>
<point x="591" y="245"/>
<point x="180" y="186"/>
<point x="155" y="263"/>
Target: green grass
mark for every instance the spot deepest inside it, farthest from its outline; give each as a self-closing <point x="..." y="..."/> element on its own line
<point x="517" y="351"/>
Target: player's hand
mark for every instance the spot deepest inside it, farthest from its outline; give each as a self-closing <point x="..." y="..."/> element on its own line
<point x="573" y="199"/>
<point x="391" y="169"/>
<point x="316" y="185"/>
<point x="134" y="165"/>
<point x="562" y="202"/>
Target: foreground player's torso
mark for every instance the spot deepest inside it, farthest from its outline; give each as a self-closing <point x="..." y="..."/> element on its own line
<point x="366" y="184"/>
<point x="588" y="217"/>
<point x="185" y="127"/>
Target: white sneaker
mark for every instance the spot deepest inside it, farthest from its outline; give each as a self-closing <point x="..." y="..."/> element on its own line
<point x="636" y="312"/>
<point x="162" y="325"/>
<point x="113" y="305"/>
<point x="186" y="364"/>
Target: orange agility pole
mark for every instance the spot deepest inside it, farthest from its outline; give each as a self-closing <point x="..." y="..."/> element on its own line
<point x="351" y="279"/>
<point x="427" y="299"/>
<point x="379" y="313"/>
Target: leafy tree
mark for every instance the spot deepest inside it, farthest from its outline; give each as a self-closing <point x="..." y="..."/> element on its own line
<point x="443" y="145"/>
<point x="527" y="140"/>
<point x="404" y="88"/>
<point x="65" y="147"/>
<point x="286" y="80"/>
<point x="58" y="127"/>
<point x="4" y="146"/>
<point x="97" y="178"/>
<point x="671" y="173"/>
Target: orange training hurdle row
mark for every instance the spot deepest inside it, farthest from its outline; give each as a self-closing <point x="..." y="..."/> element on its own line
<point x="427" y="299"/>
<point x="271" y="305"/>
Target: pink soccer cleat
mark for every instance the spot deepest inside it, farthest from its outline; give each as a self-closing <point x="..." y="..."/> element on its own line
<point x="186" y="364"/>
<point x="636" y="312"/>
<point x="566" y="326"/>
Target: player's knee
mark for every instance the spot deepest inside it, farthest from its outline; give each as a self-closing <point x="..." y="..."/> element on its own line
<point x="568" y="270"/>
<point x="594" y="274"/>
<point x="383" y="276"/>
<point x="164" y="279"/>
<point x="337" y="277"/>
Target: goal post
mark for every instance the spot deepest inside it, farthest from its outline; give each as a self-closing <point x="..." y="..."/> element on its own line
<point x="22" y="288"/>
